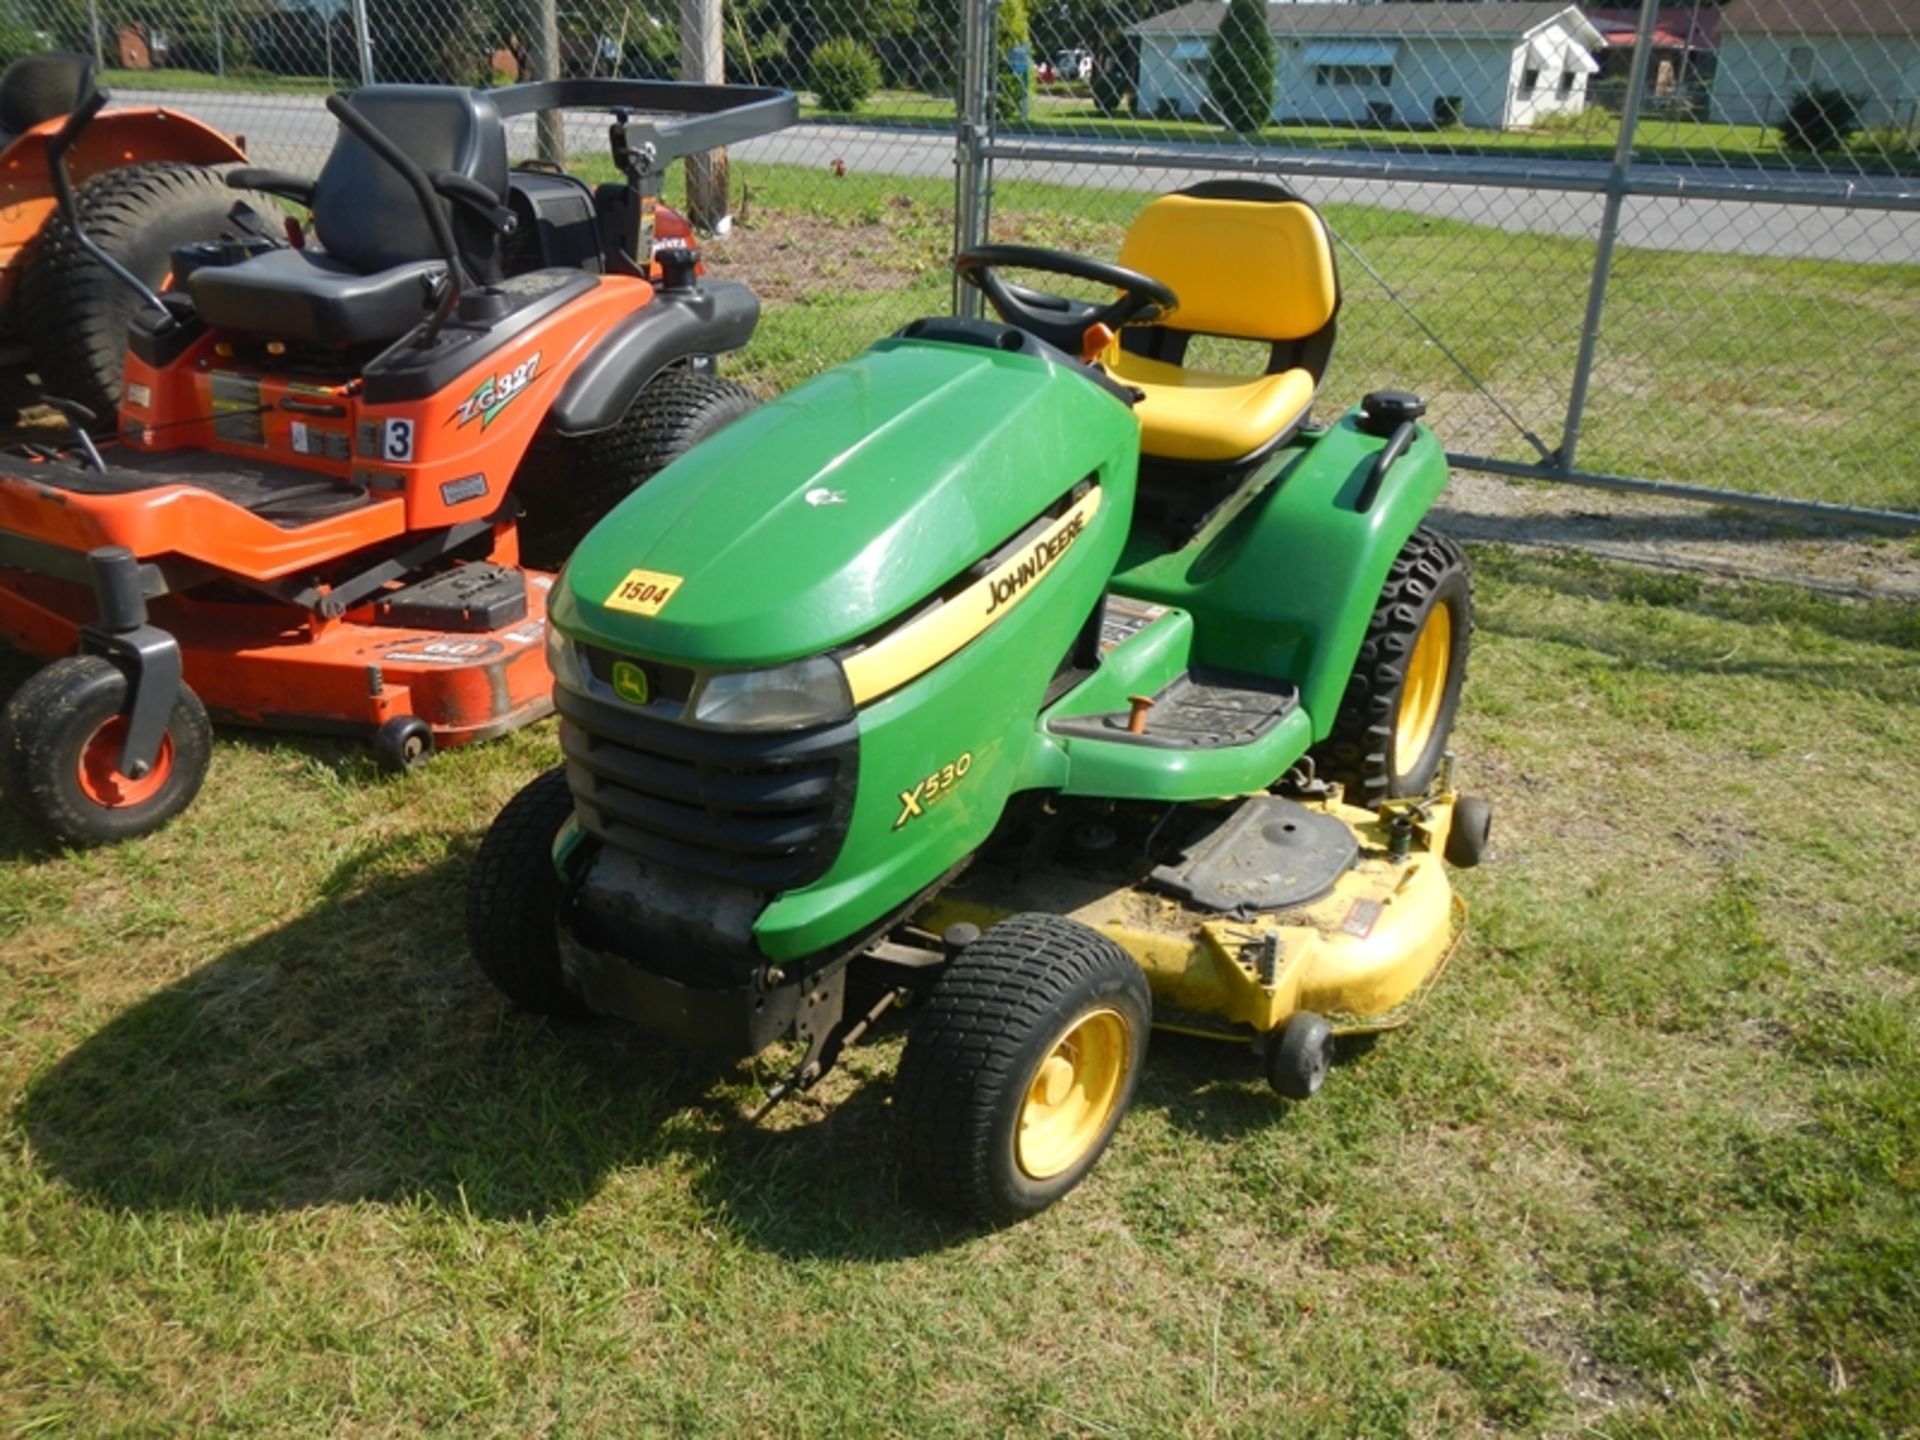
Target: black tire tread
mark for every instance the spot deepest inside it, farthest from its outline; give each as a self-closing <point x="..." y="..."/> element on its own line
<point x="963" y="1050"/>
<point x="572" y="483"/>
<point x="1357" y="751"/>
<point x="513" y="899"/>
<point x="75" y="313"/>
<point x="42" y="718"/>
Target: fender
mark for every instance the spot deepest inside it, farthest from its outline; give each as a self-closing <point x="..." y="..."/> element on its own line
<point x="115" y="138"/>
<point x="719" y="315"/>
<point x="1313" y="525"/>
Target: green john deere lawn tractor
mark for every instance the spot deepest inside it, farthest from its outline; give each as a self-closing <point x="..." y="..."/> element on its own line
<point x="1029" y="675"/>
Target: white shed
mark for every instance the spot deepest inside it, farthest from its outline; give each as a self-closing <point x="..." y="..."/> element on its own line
<point x="1497" y="66"/>
<point x="1771" y="50"/>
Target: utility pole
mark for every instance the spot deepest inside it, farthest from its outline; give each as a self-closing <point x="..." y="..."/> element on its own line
<point x="99" y="46"/>
<point x="703" y="59"/>
<point x="551" y="126"/>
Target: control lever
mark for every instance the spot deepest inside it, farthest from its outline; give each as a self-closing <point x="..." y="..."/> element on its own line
<point x="79" y="417"/>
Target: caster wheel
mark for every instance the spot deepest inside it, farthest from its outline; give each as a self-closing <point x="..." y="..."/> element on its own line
<point x="60" y="740"/>
<point x="513" y="900"/>
<point x="1021" y="1061"/>
<point x="1297" y="1064"/>
<point x="1467" y="837"/>
<point x="403" y="745"/>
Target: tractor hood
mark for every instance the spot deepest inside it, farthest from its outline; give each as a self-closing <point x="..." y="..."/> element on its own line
<point x="843" y="504"/>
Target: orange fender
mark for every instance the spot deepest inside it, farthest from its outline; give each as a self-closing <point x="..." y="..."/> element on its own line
<point x="115" y="138"/>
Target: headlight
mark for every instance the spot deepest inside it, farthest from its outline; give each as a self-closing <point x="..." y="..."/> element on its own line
<point x="789" y="697"/>
<point x="567" y="660"/>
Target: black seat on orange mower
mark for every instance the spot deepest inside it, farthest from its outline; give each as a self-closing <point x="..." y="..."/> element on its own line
<point x="380" y="267"/>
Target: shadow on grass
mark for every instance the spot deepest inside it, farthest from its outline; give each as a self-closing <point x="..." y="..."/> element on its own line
<point x="1893" y="622"/>
<point x="353" y="1055"/>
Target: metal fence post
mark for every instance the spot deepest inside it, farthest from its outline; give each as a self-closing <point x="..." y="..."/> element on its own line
<point x="1609" y="231"/>
<point x="973" y="120"/>
<point x="364" y="38"/>
<point x="550" y="126"/>
<point x="703" y="57"/>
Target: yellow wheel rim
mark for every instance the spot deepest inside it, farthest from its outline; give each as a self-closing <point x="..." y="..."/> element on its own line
<point x="1073" y="1093"/>
<point x="1425" y="688"/>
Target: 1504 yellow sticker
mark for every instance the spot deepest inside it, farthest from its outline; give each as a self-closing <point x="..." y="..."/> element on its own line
<point x="643" y="592"/>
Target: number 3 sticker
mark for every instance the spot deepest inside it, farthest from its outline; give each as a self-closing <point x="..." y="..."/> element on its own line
<point x="398" y="441"/>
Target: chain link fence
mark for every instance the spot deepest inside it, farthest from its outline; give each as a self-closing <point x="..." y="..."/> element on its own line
<point x="1672" y="249"/>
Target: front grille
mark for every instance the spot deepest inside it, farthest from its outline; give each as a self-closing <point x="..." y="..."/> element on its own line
<point x="764" y="810"/>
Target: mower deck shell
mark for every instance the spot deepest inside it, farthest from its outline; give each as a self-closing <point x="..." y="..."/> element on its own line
<point x="267" y="665"/>
<point x="1362" y="955"/>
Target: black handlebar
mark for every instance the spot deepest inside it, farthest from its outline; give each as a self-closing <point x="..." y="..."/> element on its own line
<point x="1396" y="446"/>
<point x="93" y="100"/>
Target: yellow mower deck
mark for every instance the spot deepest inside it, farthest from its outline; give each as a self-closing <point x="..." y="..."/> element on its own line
<point x="1362" y="956"/>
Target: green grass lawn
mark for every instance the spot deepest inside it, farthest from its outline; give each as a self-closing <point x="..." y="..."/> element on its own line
<point x="1738" y="372"/>
<point x="1588" y="136"/>
<point x="246" y="82"/>
<point x="276" y="1161"/>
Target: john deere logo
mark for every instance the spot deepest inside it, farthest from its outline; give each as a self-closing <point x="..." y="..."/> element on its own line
<point x="630" y="682"/>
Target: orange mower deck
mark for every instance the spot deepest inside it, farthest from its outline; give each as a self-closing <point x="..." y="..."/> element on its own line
<point x="260" y="664"/>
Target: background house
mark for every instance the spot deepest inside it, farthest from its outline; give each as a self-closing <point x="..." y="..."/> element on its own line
<point x="1497" y="66"/>
<point x="1684" y="41"/>
<point x="1771" y="50"/>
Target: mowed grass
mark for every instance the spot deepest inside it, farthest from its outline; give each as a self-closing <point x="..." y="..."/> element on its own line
<point x="277" y="1161"/>
<point x="1589" y="135"/>
<point x="1739" y="372"/>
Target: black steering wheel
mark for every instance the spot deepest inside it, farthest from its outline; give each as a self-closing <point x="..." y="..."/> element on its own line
<point x="1060" y="321"/>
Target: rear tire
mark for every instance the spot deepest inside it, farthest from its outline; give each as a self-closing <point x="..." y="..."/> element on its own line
<point x="60" y="737"/>
<point x="1019" y="1066"/>
<point x="513" y="900"/>
<point x="73" y="312"/>
<point x="1392" y="729"/>
<point x="569" y="485"/>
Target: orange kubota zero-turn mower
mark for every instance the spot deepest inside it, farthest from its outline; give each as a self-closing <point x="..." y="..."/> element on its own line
<point x="338" y="438"/>
<point x="143" y="183"/>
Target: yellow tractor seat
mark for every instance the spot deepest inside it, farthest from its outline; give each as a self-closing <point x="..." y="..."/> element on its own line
<point x="1249" y="260"/>
<point x="1201" y="415"/>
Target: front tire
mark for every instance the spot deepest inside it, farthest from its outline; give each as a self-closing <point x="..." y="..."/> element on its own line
<point x="1019" y="1066"/>
<point x="60" y="741"/>
<point x="569" y="485"/>
<point x="1394" y="722"/>
<point x="403" y="745"/>
<point x="513" y="900"/>
<point x="73" y="311"/>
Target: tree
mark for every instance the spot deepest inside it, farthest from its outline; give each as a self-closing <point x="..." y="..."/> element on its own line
<point x="1240" y="67"/>
<point x="1819" y="119"/>
<point x="844" y="74"/>
<point x="1099" y="26"/>
<point x="1010" y="93"/>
